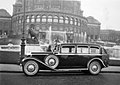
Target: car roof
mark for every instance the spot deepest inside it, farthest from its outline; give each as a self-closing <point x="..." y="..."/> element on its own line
<point x="89" y="44"/>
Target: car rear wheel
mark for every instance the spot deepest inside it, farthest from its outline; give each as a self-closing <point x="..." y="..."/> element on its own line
<point x="52" y="61"/>
<point x="94" y="67"/>
<point x="30" y="68"/>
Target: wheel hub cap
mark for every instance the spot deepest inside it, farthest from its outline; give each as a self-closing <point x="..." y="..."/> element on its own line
<point x="51" y="62"/>
<point x="94" y="68"/>
<point x="31" y="68"/>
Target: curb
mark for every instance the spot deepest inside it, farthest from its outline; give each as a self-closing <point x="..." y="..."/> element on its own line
<point x="11" y="72"/>
<point x="109" y="72"/>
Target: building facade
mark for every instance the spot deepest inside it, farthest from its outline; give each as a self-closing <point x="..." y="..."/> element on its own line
<point x="5" y="23"/>
<point x="93" y="28"/>
<point x="110" y="36"/>
<point x="62" y="19"/>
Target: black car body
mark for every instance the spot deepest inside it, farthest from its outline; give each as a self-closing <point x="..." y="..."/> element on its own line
<point x="67" y="57"/>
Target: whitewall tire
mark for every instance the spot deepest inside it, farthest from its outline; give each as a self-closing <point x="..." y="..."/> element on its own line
<point x="94" y="67"/>
<point x="30" y="68"/>
<point x="52" y="61"/>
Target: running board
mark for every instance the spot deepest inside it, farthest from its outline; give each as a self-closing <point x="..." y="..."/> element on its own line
<point x="79" y="69"/>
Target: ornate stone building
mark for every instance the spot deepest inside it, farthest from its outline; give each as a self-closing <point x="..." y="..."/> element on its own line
<point x="93" y="28"/>
<point x="63" y="18"/>
<point x="5" y="23"/>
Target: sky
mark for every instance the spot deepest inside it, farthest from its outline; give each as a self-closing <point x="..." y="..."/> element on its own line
<point x="107" y="12"/>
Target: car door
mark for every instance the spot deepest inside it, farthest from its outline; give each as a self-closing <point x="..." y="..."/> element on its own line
<point x="82" y="55"/>
<point x="68" y="56"/>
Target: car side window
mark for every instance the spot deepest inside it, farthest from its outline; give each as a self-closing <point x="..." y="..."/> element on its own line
<point x="94" y="50"/>
<point x="82" y="49"/>
<point x="68" y="49"/>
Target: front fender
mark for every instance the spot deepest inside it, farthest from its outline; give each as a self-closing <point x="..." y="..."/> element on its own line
<point x="39" y="62"/>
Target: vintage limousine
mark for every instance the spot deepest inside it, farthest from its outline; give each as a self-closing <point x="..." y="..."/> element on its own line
<point x="88" y="58"/>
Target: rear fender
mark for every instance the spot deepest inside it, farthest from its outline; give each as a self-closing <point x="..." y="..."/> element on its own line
<point x="40" y="62"/>
<point x="97" y="59"/>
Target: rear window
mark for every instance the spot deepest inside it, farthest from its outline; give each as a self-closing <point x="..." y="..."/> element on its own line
<point x="82" y="49"/>
<point x="94" y="50"/>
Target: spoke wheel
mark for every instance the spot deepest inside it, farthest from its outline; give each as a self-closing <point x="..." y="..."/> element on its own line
<point x="30" y="68"/>
<point x="94" y="67"/>
<point x="52" y="61"/>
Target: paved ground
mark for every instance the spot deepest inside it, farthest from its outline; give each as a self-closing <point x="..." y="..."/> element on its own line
<point x="12" y="74"/>
<point x="60" y="79"/>
<point x="17" y="68"/>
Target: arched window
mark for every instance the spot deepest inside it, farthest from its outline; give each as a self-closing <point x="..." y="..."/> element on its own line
<point x="38" y="18"/>
<point x="32" y="18"/>
<point x="27" y="19"/>
<point x="61" y="19"/>
<point x="55" y="19"/>
<point x="76" y="21"/>
<point x="44" y="18"/>
<point x="66" y="20"/>
<point x="49" y="18"/>
<point x="71" y="20"/>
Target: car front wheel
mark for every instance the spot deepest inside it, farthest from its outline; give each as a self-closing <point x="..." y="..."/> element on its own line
<point x="30" y="68"/>
<point x="94" y="67"/>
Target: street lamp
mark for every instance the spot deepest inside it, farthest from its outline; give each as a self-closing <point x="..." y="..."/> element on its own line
<point x="23" y="34"/>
